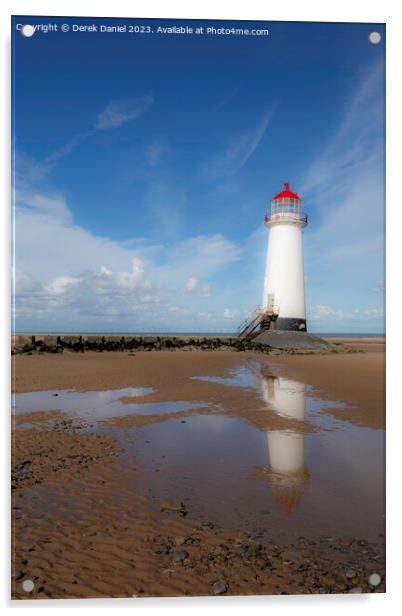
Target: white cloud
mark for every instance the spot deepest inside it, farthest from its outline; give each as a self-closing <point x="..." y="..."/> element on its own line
<point x="228" y="314"/>
<point x="118" y="113"/>
<point x="165" y="201"/>
<point x="374" y="312"/>
<point x="67" y="274"/>
<point x="354" y="142"/>
<point x="65" y="149"/>
<point x="48" y="207"/>
<point x="235" y="315"/>
<point x="129" y="280"/>
<point x="60" y="285"/>
<point x="343" y="190"/>
<point x="380" y="286"/>
<point x="207" y="254"/>
<point x="154" y="152"/>
<point x="193" y="286"/>
<point x="346" y="181"/>
<point x="321" y="312"/>
<point x="114" y="115"/>
<point x="105" y="271"/>
<point x="237" y="153"/>
<point x="325" y="313"/>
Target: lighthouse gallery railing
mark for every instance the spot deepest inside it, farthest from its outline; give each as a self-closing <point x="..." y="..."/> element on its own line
<point x="287" y="215"/>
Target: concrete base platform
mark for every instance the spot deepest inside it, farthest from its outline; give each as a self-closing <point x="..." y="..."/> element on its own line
<point x="289" y="340"/>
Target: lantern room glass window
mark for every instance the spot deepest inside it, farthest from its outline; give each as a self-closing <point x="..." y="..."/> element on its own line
<point x="290" y="206"/>
<point x="286" y="209"/>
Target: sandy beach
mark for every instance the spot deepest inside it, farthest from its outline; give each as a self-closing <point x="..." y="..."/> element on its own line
<point x="165" y="473"/>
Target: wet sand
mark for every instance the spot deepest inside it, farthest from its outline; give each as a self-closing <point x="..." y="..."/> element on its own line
<point x="358" y="379"/>
<point x="118" y="494"/>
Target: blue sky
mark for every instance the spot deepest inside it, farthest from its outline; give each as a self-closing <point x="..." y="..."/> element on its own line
<point x="144" y="164"/>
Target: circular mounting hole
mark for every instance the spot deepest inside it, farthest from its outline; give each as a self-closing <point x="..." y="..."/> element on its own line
<point x="28" y="585"/>
<point x="374" y="38"/>
<point x="374" y="579"/>
<point x="27" y="30"/>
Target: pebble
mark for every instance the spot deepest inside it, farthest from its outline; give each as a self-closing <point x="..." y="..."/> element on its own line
<point x="183" y="510"/>
<point x="289" y="557"/>
<point x="244" y="549"/>
<point x="350" y="573"/>
<point x="180" y="555"/>
<point x="345" y="543"/>
<point x="180" y="508"/>
<point x="219" y="588"/>
<point x="327" y="580"/>
<point x="192" y="541"/>
<point x="17" y="575"/>
<point x="180" y="540"/>
<point x="356" y="589"/>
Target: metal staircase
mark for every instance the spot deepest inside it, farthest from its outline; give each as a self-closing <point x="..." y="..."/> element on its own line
<point x="260" y="319"/>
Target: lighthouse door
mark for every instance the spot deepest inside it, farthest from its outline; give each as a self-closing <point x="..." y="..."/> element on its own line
<point x="270" y="303"/>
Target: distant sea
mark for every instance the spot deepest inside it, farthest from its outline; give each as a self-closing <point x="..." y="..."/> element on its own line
<point x="348" y="335"/>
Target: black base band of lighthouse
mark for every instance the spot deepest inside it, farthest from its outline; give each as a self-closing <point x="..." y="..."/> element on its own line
<point x="288" y="324"/>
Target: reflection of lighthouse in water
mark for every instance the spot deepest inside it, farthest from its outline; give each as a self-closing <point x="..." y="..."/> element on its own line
<point x="287" y="473"/>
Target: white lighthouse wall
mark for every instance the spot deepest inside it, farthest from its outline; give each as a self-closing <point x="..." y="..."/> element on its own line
<point x="286" y="451"/>
<point x="285" y="396"/>
<point x="284" y="273"/>
<point x="286" y="447"/>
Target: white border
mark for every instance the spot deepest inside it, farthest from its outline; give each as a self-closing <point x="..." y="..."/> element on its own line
<point x="292" y="10"/>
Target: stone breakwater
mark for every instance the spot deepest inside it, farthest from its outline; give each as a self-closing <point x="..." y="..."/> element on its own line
<point x="30" y="344"/>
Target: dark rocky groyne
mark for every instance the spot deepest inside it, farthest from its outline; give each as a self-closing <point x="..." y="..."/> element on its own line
<point x="270" y="342"/>
<point x="47" y="343"/>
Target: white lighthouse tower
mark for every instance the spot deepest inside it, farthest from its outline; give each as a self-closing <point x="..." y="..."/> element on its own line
<point x="283" y="300"/>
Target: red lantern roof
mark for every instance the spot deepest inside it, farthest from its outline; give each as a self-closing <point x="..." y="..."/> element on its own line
<point x="286" y="194"/>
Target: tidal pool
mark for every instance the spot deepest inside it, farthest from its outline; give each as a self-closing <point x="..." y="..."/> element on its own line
<point x="95" y="405"/>
<point x="287" y="482"/>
